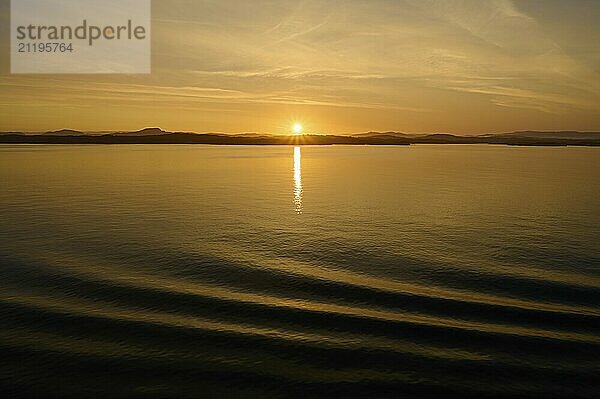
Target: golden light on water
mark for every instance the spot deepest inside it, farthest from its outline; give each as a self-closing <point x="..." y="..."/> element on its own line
<point x="297" y="180"/>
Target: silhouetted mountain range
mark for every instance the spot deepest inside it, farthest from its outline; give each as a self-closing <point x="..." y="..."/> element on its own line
<point x="554" y="135"/>
<point x="159" y="136"/>
<point x="149" y="131"/>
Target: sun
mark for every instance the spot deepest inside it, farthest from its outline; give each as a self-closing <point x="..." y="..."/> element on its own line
<point x="297" y="128"/>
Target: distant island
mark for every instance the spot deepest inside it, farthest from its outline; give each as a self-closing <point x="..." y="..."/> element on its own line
<point x="159" y="136"/>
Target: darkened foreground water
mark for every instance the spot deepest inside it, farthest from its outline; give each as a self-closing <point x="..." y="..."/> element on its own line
<point x="197" y="271"/>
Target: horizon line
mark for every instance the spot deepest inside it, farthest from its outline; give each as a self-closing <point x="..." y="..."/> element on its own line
<point x="116" y="131"/>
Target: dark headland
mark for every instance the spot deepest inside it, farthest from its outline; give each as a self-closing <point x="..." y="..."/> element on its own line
<point x="159" y="136"/>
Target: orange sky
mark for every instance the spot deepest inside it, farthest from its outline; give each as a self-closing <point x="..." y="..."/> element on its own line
<point x="455" y="66"/>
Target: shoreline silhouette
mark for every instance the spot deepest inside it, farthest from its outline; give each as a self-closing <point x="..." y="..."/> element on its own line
<point x="159" y="136"/>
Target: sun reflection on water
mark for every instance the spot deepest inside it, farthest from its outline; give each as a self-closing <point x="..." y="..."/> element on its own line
<point x="297" y="180"/>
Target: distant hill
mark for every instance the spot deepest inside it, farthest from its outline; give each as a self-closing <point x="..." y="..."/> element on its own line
<point x="512" y="138"/>
<point x="149" y="131"/>
<point x="569" y="135"/>
<point x="385" y="134"/>
<point x="63" y="132"/>
<point x="158" y="136"/>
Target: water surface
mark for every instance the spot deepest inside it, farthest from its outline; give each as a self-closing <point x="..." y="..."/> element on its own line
<point x="214" y="271"/>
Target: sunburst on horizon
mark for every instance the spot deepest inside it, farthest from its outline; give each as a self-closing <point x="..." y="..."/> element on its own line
<point x="297" y="128"/>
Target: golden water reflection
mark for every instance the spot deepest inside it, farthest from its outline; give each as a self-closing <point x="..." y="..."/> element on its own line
<point x="297" y="180"/>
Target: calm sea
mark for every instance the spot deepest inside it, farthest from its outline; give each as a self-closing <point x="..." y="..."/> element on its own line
<point x="338" y="272"/>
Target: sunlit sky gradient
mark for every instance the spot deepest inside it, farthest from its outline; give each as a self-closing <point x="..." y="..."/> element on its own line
<point x="459" y="66"/>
